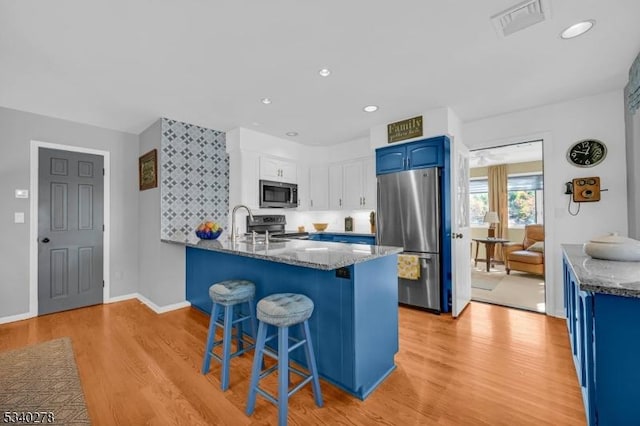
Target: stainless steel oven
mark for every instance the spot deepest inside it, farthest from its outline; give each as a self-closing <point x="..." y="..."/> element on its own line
<point x="278" y="194"/>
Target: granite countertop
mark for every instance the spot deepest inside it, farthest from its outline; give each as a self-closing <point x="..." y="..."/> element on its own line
<point x="603" y="276"/>
<point x="306" y="253"/>
<point x="355" y="234"/>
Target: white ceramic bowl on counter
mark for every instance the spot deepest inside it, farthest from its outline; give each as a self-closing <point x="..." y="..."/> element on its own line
<point x="613" y="247"/>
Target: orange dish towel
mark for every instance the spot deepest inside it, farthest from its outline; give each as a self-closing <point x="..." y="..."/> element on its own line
<point x="408" y="267"/>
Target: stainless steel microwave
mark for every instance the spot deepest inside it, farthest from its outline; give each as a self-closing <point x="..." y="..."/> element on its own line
<point x="278" y="194"/>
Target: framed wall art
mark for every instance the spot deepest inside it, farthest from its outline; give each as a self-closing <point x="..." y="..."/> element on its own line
<point x="148" y="170"/>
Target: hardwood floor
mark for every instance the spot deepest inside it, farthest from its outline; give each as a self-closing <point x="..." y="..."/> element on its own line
<point x="492" y="366"/>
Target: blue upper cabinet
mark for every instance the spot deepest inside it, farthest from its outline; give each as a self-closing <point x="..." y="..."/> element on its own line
<point x="391" y="159"/>
<point x="413" y="155"/>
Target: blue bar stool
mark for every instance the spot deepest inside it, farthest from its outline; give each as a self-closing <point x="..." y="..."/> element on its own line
<point x="226" y="296"/>
<point x="282" y="311"/>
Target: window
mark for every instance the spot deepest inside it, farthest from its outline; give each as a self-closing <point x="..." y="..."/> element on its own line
<point x="524" y="199"/>
<point x="478" y="200"/>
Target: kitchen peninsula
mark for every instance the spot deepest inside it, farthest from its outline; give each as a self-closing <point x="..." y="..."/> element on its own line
<point x="354" y="288"/>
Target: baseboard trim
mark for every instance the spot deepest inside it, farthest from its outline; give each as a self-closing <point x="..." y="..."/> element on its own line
<point x="155" y="308"/>
<point x="14" y="318"/>
<point x="122" y="298"/>
<point x="163" y="309"/>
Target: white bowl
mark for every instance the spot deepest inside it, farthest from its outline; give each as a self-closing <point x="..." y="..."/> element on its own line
<point x="613" y="247"/>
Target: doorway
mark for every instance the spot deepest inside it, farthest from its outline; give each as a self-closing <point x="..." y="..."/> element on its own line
<point x="507" y="219"/>
<point x="69" y="249"/>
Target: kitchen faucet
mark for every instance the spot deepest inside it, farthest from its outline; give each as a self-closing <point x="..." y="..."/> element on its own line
<point x="234" y="236"/>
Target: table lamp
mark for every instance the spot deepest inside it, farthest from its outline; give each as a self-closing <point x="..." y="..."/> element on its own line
<point x="492" y="219"/>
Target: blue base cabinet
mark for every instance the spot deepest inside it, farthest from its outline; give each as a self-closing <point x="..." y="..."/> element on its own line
<point x="341" y="238"/>
<point x="604" y="331"/>
<point x="354" y="325"/>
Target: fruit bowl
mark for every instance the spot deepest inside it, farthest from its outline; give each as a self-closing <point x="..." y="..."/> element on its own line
<point x="208" y="231"/>
<point x="320" y="226"/>
<point x="209" y="235"/>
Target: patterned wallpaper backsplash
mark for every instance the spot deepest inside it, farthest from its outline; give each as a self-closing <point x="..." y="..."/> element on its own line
<point x="194" y="179"/>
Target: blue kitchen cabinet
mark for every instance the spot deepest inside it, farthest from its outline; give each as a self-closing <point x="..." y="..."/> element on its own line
<point x="342" y="238"/>
<point x="391" y="159"/>
<point x="412" y="155"/>
<point x="321" y="237"/>
<point x="354" y="325"/>
<point x="605" y="344"/>
<point x="434" y="152"/>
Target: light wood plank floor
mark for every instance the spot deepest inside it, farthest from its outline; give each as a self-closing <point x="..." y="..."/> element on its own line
<point x="492" y="366"/>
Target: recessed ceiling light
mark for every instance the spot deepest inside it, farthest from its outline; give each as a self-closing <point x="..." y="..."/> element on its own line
<point x="370" y="108"/>
<point x="265" y="101"/>
<point x="577" y="29"/>
<point x="292" y="133"/>
<point x="324" y="72"/>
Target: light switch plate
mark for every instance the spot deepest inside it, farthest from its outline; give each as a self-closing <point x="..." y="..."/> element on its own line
<point x="22" y="193"/>
<point x="18" y="217"/>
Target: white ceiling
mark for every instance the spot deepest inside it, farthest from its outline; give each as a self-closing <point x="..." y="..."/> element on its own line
<point x="122" y="64"/>
<point x="507" y="154"/>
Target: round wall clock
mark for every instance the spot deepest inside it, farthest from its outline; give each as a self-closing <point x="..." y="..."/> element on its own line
<point x="587" y="153"/>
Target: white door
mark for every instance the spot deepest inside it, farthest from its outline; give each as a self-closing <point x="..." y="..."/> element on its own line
<point x="460" y="229"/>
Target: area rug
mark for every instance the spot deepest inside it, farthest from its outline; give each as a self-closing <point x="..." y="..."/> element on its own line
<point x="41" y="382"/>
<point x="486" y="281"/>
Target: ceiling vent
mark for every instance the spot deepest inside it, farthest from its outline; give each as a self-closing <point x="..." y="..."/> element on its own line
<point x="520" y="16"/>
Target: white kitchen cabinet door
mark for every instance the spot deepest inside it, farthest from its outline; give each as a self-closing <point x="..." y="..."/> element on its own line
<point x="277" y="170"/>
<point x="352" y="176"/>
<point x="288" y="172"/>
<point x="319" y="188"/>
<point x="370" y="184"/>
<point x="335" y="187"/>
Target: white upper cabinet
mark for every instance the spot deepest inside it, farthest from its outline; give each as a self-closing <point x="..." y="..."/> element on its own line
<point x="278" y="170"/>
<point x="352" y="185"/>
<point x="369" y="184"/>
<point x="335" y="186"/>
<point x="352" y="177"/>
<point x="318" y="188"/>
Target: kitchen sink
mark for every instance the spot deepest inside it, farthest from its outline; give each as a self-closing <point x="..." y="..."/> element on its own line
<point x="261" y="240"/>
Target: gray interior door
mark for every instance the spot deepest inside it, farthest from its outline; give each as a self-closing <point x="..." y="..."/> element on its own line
<point x="70" y="230"/>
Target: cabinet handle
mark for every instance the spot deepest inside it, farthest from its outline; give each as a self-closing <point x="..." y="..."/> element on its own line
<point x="340" y="202"/>
<point x="408" y="163"/>
<point x="311" y="203"/>
<point x="364" y="201"/>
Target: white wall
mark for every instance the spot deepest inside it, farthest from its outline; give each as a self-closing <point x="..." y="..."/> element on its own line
<point x="162" y="265"/>
<point x="435" y="122"/>
<point x="632" y="125"/>
<point x="560" y="125"/>
<point x="17" y="129"/>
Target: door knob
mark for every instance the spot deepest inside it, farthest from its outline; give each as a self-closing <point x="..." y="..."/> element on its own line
<point x="457" y="235"/>
<point x="45" y="240"/>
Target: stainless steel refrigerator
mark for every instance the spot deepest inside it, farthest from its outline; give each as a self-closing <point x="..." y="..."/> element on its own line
<point x="409" y="216"/>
